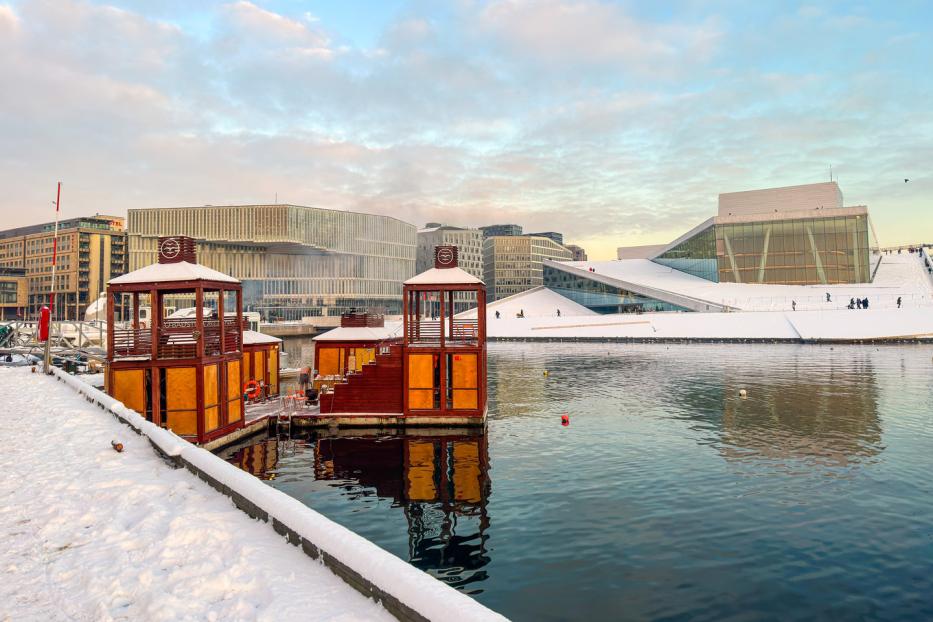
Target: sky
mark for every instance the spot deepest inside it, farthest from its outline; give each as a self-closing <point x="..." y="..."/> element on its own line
<point x="616" y="123"/>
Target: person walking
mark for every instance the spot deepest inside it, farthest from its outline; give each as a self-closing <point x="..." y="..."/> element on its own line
<point x="497" y="315"/>
<point x="851" y="303"/>
<point x="558" y="313"/>
<point x="793" y="305"/>
<point x="858" y="303"/>
<point x="865" y="303"/>
<point x="828" y="298"/>
<point x="898" y="302"/>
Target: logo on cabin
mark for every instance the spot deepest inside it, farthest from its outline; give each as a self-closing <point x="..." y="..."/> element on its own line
<point x="177" y="248"/>
<point x="169" y="248"/>
<point x="445" y="257"/>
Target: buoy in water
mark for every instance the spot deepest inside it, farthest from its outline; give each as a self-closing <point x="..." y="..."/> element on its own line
<point x="545" y="372"/>
<point x="118" y="447"/>
<point x="743" y="393"/>
<point x="565" y="420"/>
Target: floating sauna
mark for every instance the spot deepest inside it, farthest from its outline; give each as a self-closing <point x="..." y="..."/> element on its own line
<point x="434" y="375"/>
<point x="261" y="360"/>
<point x="181" y="373"/>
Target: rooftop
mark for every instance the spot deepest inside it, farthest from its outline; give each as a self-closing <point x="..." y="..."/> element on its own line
<point x="169" y="272"/>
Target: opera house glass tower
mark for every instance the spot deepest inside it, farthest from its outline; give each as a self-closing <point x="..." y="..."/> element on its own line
<point x="797" y="235"/>
<point x="293" y="261"/>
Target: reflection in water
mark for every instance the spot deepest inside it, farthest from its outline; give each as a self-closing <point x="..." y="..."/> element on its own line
<point x="441" y="482"/>
<point x="668" y="496"/>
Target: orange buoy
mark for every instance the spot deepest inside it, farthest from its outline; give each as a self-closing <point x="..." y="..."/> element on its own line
<point x="118" y="447"/>
<point x="251" y="388"/>
<point x="565" y="420"/>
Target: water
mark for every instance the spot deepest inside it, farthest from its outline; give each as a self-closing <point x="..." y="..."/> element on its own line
<point x="668" y="496"/>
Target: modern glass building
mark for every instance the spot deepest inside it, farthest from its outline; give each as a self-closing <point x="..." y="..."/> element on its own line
<point x="600" y="296"/>
<point x="294" y="261"/>
<point x="513" y="264"/>
<point x="800" y="235"/>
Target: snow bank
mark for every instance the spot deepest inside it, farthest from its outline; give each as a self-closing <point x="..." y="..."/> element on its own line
<point x="92" y="534"/>
<point x="384" y="576"/>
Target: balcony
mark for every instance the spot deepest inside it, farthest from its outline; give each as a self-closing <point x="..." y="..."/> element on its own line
<point x="177" y="339"/>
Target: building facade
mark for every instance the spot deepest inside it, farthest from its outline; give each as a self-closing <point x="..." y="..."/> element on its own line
<point x="13" y="293"/>
<point x="554" y="236"/>
<point x="579" y="253"/>
<point x="469" y="243"/>
<point x="494" y="230"/>
<point x="293" y="261"/>
<point x="91" y="251"/>
<point x="799" y="235"/>
<point x="513" y="264"/>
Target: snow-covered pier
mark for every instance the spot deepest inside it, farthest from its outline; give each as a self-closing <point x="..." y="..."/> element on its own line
<point x="92" y="533"/>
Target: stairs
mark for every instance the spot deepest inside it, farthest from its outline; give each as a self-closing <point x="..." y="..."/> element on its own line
<point x="377" y="388"/>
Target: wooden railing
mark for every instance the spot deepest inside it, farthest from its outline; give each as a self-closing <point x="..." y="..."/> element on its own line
<point x="132" y="343"/>
<point x="178" y="339"/>
<point x="428" y="332"/>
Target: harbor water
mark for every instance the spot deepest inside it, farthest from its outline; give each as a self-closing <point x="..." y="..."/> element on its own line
<point x="668" y="496"/>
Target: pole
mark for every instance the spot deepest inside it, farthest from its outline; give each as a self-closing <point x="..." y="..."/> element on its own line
<point x="48" y="342"/>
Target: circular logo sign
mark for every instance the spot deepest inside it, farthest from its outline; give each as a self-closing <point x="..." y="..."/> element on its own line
<point x="170" y="248"/>
<point x="445" y="256"/>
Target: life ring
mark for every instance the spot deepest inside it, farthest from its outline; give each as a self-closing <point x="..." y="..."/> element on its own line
<point x="252" y="389"/>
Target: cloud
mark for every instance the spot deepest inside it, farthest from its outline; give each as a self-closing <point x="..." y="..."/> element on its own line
<point x="252" y="25"/>
<point x="612" y="126"/>
<point x="574" y="32"/>
<point x="9" y="22"/>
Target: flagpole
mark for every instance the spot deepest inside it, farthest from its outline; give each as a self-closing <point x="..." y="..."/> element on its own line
<point x="48" y="341"/>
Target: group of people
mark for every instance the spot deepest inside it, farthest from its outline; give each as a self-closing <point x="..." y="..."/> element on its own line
<point x="862" y="303"/>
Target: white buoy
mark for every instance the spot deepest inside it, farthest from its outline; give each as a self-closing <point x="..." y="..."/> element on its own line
<point x="743" y="393"/>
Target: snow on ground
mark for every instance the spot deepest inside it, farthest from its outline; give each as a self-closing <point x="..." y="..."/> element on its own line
<point x="901" y="276"/>
<point x="92" y="534"/>
<point x="833" y="324"/>
<point x="535" y="302"/>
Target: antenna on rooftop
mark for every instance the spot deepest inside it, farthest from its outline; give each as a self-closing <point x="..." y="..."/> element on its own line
<point x="830" y="172"/>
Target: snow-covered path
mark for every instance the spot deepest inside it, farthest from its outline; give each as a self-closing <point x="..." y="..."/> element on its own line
<point x="91" y="534"/>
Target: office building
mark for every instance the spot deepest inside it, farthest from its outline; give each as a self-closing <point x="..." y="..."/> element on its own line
<point x="469" y="243"/>
<point x="513" y="264"/>
<point x="500" y="230"/>
<point x="579" y="254"/>
<point x="554" y="236"/>
<point x="294" y="261"/>
<point x="91" y="251"/>
<point x="13" y="293"/>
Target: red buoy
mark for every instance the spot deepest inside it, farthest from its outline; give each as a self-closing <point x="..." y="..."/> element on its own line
<point x="565" y="420"/>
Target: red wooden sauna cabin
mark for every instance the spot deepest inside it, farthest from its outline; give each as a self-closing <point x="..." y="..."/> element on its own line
<point x="261" y="362"/>
<point x="434" y="375"/>
<point x="180" y="370"/>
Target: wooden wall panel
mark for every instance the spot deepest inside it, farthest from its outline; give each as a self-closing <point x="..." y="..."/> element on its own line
<point x="234" y="406"/>
<point x="330" y="361"/>
<point x="129" y="386"/>
<point x="181" y="400"/>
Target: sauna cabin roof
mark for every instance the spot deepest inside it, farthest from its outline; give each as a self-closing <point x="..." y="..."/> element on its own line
<point x="391" y="330"/>
<point x="253" y="338"/>
<point x="167" y="272"/>
<point x="443" y="276"/>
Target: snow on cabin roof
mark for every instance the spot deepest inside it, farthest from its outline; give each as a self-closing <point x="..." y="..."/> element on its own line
<point x="253" y="338"/>
<point x="362" y="333"/>
<point x="444" y="276"/>
<point x="167" y="272"/>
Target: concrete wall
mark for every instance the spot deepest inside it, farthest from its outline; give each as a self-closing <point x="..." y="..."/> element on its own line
<point x="789" y="198"/>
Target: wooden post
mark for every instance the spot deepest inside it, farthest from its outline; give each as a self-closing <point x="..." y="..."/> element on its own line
<point x="155" y="312"/>
<point x="223" y="320"/>
<point x="110" y="338"/>
<point x="199" y="321"/>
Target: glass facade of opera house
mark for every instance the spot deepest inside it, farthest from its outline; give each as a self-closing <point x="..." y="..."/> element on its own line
<point x="801" y="251"/>
<point x="601" y="297"/>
